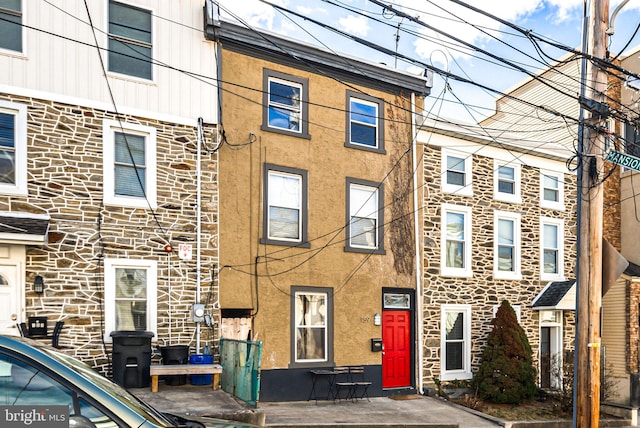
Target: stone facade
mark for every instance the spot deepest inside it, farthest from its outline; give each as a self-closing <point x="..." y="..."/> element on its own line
<point x="65" y="181"/>
<point x="482" y="291"/>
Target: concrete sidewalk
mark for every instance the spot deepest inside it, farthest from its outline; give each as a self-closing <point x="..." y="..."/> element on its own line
<point x="413" y="411"/>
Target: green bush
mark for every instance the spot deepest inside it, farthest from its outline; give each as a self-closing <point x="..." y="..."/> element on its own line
<point x="506" y="373"/>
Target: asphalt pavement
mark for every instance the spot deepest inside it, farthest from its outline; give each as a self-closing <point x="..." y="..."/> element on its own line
<point x="411" y="411"/>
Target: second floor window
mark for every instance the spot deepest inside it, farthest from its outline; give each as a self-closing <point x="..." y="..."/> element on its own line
<point x="11" y="25"/>
<point x="456" y="241"/>
<point x="130" y="40"/>
<point x="365" y="216"/>
<point x="129" y="165"/>
<point x="13" y="148"/>
<point x="285" y="213"/>
<point x="506" y="245"/>
<point x="551" y="248"/>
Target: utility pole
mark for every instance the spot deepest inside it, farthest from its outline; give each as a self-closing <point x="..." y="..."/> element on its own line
<point x="590" y="216"/>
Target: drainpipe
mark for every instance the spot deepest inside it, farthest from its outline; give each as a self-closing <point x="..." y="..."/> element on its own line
<point x="419" y="310"/>
<point x="198" y="221"/>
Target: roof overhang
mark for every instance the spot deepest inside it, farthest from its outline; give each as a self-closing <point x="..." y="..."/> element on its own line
<point x="23" y="228"/>
<point x="556" y="295"/>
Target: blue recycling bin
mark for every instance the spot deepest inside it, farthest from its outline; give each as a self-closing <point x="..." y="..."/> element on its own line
<point x="201" y="379"/>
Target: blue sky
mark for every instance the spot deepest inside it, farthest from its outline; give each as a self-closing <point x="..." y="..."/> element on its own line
<point x="558" y="20"/>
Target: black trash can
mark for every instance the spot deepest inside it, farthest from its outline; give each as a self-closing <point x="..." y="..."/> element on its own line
<point x="175" y="354"/>
<point x="131" y="358"/>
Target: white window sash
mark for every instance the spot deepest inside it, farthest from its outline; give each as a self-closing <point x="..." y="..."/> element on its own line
<point x="553" y="244"/>
<point x="559" y="190"/>
<point x="19" y="112"/>
<point x="513" y="197"/>
<point x="465" y="239"/>
<point x="463" y="167"/>
<point x="515" y="245"/>
<point x="463" y="372"/>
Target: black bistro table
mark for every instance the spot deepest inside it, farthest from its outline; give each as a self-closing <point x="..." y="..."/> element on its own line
<point x="329" y="377"/>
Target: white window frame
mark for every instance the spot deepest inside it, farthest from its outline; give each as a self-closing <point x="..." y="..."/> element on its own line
<point x="517" y="245"/>
<point x="19" y="111"/>
<point x="110" y="127"/>
<point x="23" y="34"/>
<point x="514" y="197"/>
<point x="556" y="344"/>
<point x="110" y="265"/>
<point x="467" y="189"/>
<point x="377" y="192"/>
<point x="153" y="48"/>
<point x="555" y="205"/>
<point x="559" y="223"/>
<point x="465" y="372"/>
<point x="466" y="271"/>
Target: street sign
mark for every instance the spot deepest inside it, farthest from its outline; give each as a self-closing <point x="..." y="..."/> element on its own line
<point x="624" y="159"/>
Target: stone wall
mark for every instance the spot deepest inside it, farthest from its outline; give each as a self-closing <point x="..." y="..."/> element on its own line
<point x="65" y="181"/>
<point x="482" y="291"/>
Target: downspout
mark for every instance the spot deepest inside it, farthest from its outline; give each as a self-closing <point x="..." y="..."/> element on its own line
<point x="416" y="212"/>
<point x="198" y="225"/>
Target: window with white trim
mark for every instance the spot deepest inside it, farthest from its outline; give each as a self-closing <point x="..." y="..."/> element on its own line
<point x="365" y="124"/>
<point x="506" y="179"/>
<point x="506" y="245"/>
<point x="551" y="248"/>
<point x="286" y="105"/>
<point x="455" y="342"/>
<point x="13" y="148"/>
<point x="285" y="210"/>
<point x="552" y="190"/>
<point x="365" y="216"/>
<point x="11" y="25"/>
<point x="312" y="326"/>
<point x="130" y="295"/>
<point x="130" y="40"/>
<point x="129" y="158"/>
<point x="456" y="241"/>
<point x="456" y="173"/>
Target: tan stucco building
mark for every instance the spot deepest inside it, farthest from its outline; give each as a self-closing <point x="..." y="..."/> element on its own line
<point x="317" y="236"/>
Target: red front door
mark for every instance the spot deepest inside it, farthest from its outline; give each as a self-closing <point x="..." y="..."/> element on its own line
<point x="396" y="358"/>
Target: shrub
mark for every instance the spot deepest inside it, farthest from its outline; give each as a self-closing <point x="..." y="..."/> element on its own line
<point x="506" y="373"/>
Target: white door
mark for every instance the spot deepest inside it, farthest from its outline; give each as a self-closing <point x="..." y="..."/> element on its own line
<point x="10" y="299"/>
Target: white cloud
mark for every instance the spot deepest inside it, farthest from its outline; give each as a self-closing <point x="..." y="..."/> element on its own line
<point x="253" y="12"/>
<point x="356" y="25"/>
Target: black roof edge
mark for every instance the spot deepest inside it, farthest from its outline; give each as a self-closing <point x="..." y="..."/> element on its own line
<point x="295" y="53"/>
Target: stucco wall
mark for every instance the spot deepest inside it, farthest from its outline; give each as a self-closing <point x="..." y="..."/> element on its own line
<point x="356" y="278"/>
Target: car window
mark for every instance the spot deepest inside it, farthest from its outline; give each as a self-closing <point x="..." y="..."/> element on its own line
<point x="23" y="385"/>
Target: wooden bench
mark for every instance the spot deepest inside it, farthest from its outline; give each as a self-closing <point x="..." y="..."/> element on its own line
<point x="156" y="370"/>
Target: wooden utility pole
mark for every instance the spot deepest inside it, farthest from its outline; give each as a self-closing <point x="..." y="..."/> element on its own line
<point x="590" y="197"/>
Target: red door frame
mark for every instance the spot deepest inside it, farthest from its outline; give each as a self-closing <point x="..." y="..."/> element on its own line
<point x="398" y="359"/>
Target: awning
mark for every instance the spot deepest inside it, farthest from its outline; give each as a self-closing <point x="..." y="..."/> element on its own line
<point x="632" y="270"/>
<point x="23" y="228"/>
<point x="557" y="295"/>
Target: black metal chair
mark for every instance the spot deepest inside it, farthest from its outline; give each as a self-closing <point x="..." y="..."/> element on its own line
<point x="360" y="383"/>
<point x="343" y="383"/>
<point x="22" y="329"/>
<point x="55" y="336"/>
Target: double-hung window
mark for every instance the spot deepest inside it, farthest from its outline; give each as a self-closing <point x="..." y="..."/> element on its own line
<point x="551" y="248"/>
<point x="506" y="178"/>
<point x="130" y="40"/>
<point x="365" y="123"/>
<point x="130" y="295"/>
<point x="456" y="241"/>
<point x="365" y="216"/>
<point x="13" y="148"/>
<point x="285" y="104"/>
<point x="11" y="25"/>
<point x="506" y="245"/>
<point x="285" y="210"/>
<point x="129" y="165"/>
<point x="552" y="190"/>
<point x="456" y="173"/>
<point x="455" y="339"/>
<point x="312" y="326"/>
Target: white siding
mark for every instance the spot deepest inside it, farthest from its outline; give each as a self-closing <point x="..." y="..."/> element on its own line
<point x="614" y="328"/>
<point x="68" y="68"/>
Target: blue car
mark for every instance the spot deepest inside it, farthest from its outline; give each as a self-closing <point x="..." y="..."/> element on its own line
<point x="43" y="387"/>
